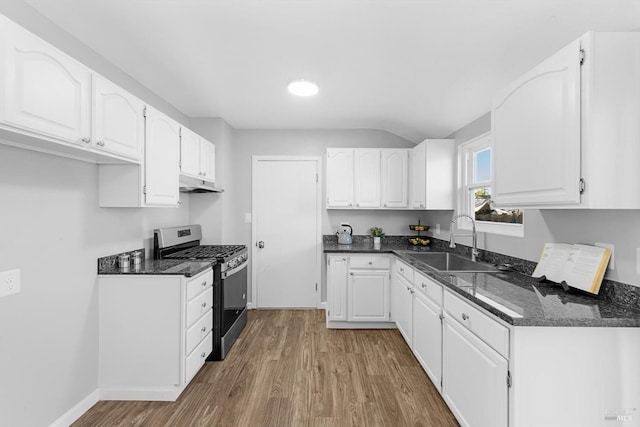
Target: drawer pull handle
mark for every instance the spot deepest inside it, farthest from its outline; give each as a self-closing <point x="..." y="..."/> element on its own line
<point x="204" y="329"/>
<point x="204" y="304"/>
<point x="465" y="316"/>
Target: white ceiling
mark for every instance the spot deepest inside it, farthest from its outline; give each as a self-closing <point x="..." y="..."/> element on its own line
<point x="416" y="68"/>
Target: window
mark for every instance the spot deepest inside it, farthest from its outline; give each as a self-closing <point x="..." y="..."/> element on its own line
<point x="474" y="191"/>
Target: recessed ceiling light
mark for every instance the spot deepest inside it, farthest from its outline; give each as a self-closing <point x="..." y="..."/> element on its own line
<point x="302" y="88"/>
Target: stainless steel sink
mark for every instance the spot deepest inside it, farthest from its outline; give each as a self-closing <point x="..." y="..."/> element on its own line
<point x="444" y="261"/>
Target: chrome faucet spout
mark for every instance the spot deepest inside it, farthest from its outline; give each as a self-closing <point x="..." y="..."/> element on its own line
<point x="452" y="239"/>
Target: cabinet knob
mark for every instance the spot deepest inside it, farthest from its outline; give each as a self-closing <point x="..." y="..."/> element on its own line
<point x="358" y="204"/>
<point x="204" y="283"/>
<point x="465" y="316"/>
<point x="203" y="355"/>
<point x="401" y="270"/>
<point x="370" y="262"/>
<point x="385" y="205"/>
<point x="100" y="143"/>
<point x="350" y="204"/>
<point x="411" y="291"/>
<point x="424" y="286"/>
<point x="344" y="259"/>
<point x="351" y="274"/>
<point x="86" y="140"/>
<point x="204" y="304"/>
<point x="204" y="174"/>
<point x="204" y="329"/>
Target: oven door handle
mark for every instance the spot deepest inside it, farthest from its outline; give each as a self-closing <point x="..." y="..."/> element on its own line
<point x="235" y="270"/>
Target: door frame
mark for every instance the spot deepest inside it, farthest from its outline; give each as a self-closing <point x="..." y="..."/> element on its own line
<point x="254" y="232"/>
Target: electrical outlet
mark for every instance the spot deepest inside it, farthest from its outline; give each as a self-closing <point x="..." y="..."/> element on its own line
<point x="437" y="229"/>
<point x="9" y="282"/>
<point x="247" y="218"/>
<point x="612" y="260"/>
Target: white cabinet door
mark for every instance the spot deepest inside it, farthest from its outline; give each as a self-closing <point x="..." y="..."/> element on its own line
<point x="474" y="379"/>
<point x="189" y="153"/>
<point x="401" y="306"/>
<point x="367" y="178"/>
<point x="427" y="336"/>
<point x="395" y="178"/>
<point x="207" y="160"/>
<point x="162" y="148"/>
<point x="339" y="177"/>
<point x="337" y="288"/>
<point x="418" y="163"/>
<point x="536" y="134"/>
<point x="118" y="119"/>
<point x="45" y="91"/>
<point x="368" y="296"/>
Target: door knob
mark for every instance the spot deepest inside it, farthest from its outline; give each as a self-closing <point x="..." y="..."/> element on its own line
<point x="261" y="244"/>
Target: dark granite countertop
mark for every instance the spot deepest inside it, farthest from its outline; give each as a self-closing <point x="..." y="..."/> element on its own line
<point x="161" y="267"/>
<point x="177" y="267"/>
<point x="516" y="298"/>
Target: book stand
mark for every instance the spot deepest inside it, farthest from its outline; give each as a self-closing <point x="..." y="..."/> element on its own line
<point x="564" y="284"/>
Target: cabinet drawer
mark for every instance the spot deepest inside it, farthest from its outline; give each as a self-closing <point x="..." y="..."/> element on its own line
<point x="196" y="359"/>
<point x="428" y="287"/>
<point x="199" y="330"/>
<point x="487" y="329"/>
<point x="199" y="305"/>
<point x="199" y="284"/>
<point x="404" y="270"/>
<point x="370" y="262"/>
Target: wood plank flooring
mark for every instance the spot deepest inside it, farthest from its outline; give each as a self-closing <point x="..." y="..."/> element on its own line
<point x="287" y="369"/>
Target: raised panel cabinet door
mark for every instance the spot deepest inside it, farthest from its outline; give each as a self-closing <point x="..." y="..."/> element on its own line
<point x="339" y="177"/>
<point x="427" y="337"/>
<point x="208" y="160"/>
<point x="401" y="306"/>
<point x="45" y="91"/>
<point x="536" y="134"/>
<point x="190" y="153"/>
<point x="337" y="288"/>
<point x="395" y="164"/>
<point x="368" y="296"/>
<point x="440" y="173"/>
<point x="118" y="119"/>
<point x="418" y="165"/>
<point x="474" y="378"/>
<point x="367" y="178"/>
<point x="162" y="153"/>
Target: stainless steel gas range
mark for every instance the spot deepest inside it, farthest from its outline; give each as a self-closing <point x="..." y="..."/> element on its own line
<point x="229" y="279"/>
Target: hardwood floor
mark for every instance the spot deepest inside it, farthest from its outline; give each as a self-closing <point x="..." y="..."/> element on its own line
<point x="287" y="369"/>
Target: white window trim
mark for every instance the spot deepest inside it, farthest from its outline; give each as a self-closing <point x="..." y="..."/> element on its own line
<point x="505" y="229"/>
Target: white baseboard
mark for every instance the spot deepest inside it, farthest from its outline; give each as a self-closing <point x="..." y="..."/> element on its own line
<point x="323" y="305"/>
<point x="77" y="411"/>
<point x="166" y="394"/>
<point x="249" y="306"/>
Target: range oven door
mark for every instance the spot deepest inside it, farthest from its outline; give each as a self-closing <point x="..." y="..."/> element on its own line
<point x="234" y="287"/>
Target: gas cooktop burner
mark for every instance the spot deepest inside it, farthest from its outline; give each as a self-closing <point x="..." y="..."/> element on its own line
<point x="219" y="252"/>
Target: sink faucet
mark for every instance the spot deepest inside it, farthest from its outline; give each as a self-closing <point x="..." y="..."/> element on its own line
<point x="452" y="237"/>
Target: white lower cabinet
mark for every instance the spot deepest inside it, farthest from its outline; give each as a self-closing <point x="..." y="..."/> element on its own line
<point x="358" y="291"/>
<point x="474" y="378"/>
<point x="155" y="333"/>
<point x="427" y="336"/>
<point x="401" y="306"/>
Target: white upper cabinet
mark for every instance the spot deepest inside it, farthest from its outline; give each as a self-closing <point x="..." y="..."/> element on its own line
<point x="432" y="165"/>
<point x="339" y="177"/>
<point x="118" y="119"/>
<point x="395" y="171"/>
<point x="197" y="156"/>
<point x="45" y="91"/>
<point x="536" y="131"/>
<point x="367" y="178"/>
<point x="162" y="152"/>
<point x="570" y="125"/>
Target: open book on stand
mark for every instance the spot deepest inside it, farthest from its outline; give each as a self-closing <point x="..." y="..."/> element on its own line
<point x="579" y="266"/>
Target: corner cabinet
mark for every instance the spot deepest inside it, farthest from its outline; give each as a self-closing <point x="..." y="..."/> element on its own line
<point x="152" y="351"/>
<point x="358" y="291"/>
<point x="367" y="178"/>
<point x="432" y="165"/>
<point x="566" y="133"/>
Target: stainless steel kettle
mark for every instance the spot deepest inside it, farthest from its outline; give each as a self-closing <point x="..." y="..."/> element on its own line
<point x="344" y="234"/>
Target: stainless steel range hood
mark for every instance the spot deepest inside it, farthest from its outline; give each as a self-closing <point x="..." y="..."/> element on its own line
<point x="193" y="185"/>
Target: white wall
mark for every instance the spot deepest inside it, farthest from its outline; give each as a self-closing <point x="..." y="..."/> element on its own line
<point x="619" y="227"/>
<point x="53" y="231"/>
<point x="215" y="211"/>
<point x="248" y="143"/>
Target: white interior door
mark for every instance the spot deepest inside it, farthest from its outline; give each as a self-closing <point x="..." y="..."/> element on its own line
<point x="286" y="232"/>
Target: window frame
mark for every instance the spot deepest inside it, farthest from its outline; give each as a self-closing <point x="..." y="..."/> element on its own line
<point x="465" y="152"/>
